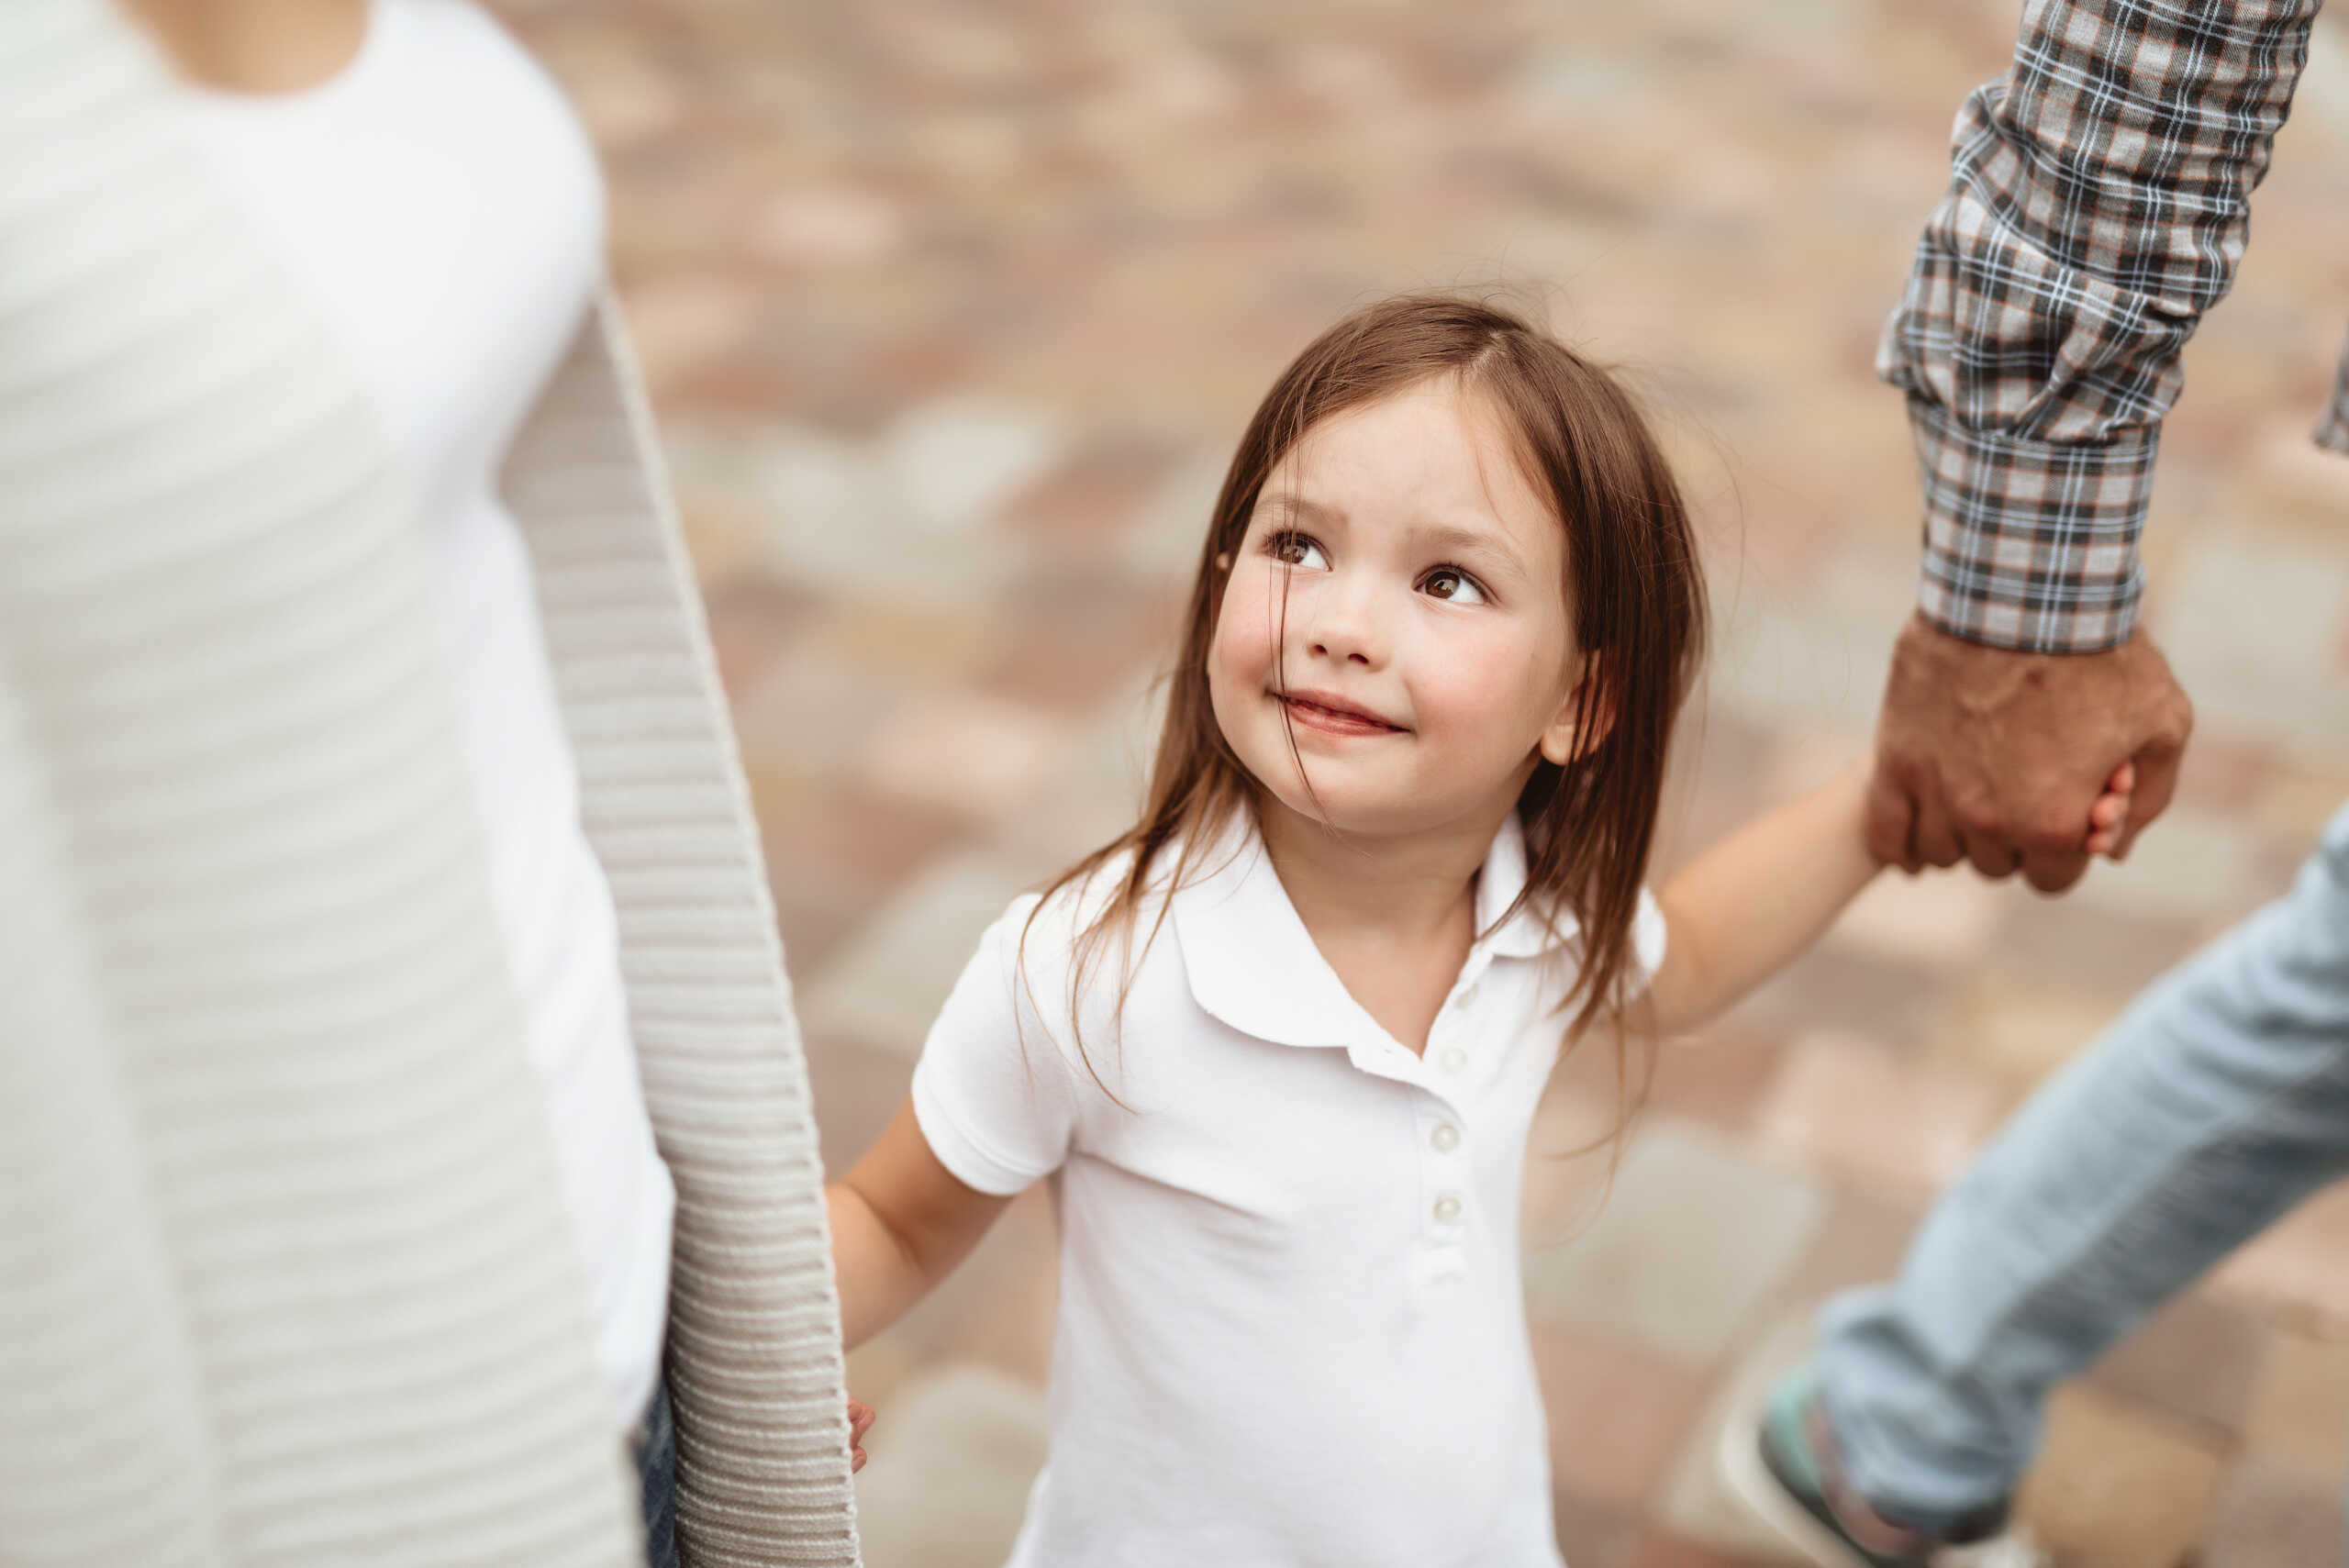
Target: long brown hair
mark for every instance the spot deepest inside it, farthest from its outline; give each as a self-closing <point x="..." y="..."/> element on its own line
<point x="1633" y="579"/>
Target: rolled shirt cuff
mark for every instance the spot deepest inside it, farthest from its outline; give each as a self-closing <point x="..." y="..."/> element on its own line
<point x="2032" y="545"/>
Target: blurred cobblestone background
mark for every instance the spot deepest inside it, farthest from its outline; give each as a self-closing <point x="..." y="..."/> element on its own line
<point x="952" y="312"/>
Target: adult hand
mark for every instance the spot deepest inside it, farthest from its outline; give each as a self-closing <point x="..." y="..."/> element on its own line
<point x="1996" y="757"/>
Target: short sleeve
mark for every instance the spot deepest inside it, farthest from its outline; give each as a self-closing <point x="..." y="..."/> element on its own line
<point x="1649" y="935"/>
<point x="992" y="1093"/>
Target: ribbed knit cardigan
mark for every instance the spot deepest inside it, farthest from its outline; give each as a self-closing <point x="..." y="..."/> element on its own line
<point x="283" y="1272"/>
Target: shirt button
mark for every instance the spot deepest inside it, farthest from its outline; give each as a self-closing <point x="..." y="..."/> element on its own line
<point x="1446" y="1138"/>
<point x="1453" y="1060"/>
<point x="1447" y="1209"/>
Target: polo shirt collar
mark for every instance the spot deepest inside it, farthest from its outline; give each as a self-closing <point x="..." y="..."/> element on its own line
<point x="1525" y="934"/>
<point x="1252" y="964"/>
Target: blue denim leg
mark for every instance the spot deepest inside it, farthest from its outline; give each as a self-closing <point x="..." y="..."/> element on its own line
<point x="2216" y="1103"/>
<point x="656" y="1469"/>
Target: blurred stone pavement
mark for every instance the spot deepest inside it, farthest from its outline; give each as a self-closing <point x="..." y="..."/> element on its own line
<point x="952" y="312"/>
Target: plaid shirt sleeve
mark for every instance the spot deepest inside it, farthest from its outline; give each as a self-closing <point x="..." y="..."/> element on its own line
<point x="2097" y="205"/>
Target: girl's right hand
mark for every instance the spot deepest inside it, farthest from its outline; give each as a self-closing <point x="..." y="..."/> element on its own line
<point x="860" y="1421"/>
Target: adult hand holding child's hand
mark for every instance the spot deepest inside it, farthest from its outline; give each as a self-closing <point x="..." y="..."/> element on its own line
<point x="1998" y="757"/>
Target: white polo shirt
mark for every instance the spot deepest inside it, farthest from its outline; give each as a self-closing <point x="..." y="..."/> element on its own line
<point x="1290" y="1324"/>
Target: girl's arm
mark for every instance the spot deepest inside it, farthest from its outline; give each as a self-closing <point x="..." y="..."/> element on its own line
<point x="1755" y="902"/>
<point x="901" y="1222"/>
<point x="1752" y="904"/>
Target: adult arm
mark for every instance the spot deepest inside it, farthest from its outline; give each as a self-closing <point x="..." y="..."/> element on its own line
<point x="2097" y="206"/>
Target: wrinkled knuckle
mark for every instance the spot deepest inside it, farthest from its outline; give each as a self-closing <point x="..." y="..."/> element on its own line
<point x="1980" y="819"/>
<point x="2048" y="829"/>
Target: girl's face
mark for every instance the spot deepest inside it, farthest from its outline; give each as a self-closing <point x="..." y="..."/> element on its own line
<point x="1427" y="656"/>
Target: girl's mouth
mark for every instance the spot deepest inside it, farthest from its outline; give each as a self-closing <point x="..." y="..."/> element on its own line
<point x="1317" y="710"/>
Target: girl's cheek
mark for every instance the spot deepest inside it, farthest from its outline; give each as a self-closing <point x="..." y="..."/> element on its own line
<point x="1459" y="662"/>
<point x="1246" y="630"/>
<point x="1235" y="658"/>
<point x="1475" y="689"/>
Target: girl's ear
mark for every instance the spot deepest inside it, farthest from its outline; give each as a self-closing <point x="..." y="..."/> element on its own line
<point x="1584" y="719"/>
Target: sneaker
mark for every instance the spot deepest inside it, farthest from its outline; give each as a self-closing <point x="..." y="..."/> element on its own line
<point x="1779" y="1460"/>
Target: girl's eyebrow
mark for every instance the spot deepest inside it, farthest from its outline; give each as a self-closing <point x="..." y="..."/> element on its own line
<point x="1305" y="511"/>
<point x="1453" y="536"/>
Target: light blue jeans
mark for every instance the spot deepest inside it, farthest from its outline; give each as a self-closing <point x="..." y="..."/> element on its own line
<point x="2216" y="1103"/>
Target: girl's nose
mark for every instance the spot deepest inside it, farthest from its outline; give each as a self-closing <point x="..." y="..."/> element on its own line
<point x="1344" y="627"/>
<point x="1333" y="648"/>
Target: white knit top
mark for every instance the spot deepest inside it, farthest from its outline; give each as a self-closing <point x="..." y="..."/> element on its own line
<point x="441" y="208"/>
<point x="286" y="1276"/>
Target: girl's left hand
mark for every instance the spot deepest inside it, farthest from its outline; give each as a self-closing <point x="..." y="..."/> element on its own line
<point x="2110" y="815"/>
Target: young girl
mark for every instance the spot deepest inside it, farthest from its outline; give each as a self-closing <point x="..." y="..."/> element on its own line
<point x="1279" y="1045"/>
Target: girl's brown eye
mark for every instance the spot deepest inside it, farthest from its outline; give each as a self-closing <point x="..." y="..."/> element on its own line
<point x="1295" y="549"/>
<point x="1452" y="587"/>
